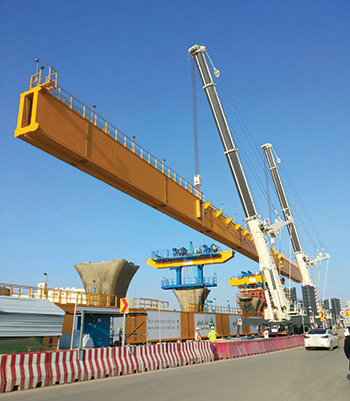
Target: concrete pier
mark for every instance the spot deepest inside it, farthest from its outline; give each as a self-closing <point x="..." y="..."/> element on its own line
<point x="196" y="296"/>
<point x="107" y="277"/>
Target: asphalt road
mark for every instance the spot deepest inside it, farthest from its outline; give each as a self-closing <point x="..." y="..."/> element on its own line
<point x="290" y="375"/>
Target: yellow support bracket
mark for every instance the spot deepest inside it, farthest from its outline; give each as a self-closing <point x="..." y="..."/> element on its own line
<point x="228" y="220"/>
<point x="207" y="205"/>
<point x="218" y="213"/>
<point x="238" y="226"/>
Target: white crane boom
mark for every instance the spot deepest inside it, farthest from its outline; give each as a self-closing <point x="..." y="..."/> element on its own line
<point x="279" y="312"/>
<point x="298" y="251"/>
<point x="302" y="260"/>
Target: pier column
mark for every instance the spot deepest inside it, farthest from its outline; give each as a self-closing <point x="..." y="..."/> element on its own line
<point x="107" y="277"/>
<point x="194" y="296"/>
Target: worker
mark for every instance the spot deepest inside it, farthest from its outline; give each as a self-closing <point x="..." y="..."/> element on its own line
<point x="212" y="335"/>
<point x="266" y="332"/>
<point x="197" y="336"/>
<point x="347" y="344"/>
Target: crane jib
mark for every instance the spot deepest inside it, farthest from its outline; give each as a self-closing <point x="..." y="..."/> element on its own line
<point x="279" y="311"/>
<point x="225" y="134"/>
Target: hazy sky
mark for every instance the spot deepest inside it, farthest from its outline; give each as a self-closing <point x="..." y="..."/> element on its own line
<point x="286" y="65"/>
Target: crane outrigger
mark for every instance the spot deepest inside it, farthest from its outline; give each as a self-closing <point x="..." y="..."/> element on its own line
<point x="278" y="310"/>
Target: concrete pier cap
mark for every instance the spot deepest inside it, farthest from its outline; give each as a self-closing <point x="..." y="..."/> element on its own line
<point x="107" y="277"/>
<point x="195" y="296"/>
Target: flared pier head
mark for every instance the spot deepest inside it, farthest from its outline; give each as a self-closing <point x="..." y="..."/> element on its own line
<point x="107" y="277"/>
<point x="194" y="296"/>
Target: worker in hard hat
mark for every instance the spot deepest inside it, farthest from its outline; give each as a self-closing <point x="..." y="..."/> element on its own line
<point x="212" y="335"/>
<point x="197" y="336"/>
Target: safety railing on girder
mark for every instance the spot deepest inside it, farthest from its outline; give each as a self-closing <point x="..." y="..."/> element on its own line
<point x="212" y="309"/>
<point x="59" y="296"/>
<point x="206" y="308"/>
<point x="50" y="83"/>
<point x="190" y="281"/>
<point x="145" y="303"/>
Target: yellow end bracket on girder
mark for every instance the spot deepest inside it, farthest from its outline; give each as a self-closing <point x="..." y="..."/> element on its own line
<point x="223" y="257"/>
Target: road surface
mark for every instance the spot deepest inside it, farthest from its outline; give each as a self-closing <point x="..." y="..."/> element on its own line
<point x="290" y="375"/>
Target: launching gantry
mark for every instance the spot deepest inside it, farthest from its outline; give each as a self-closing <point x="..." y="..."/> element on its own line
<point x="54" y="121"/>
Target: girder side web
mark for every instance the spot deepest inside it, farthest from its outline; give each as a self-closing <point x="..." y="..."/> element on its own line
<point x="66" y="135"/>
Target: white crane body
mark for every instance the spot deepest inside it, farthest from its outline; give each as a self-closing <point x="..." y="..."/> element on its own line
<point x="267" y="265"/>
<point x="298" y="251"/>
<point x="302" y="260"/>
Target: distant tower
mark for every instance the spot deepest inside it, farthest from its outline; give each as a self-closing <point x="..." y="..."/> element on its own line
<point x="291" y="294"/>
<point x="309" y="300"/>
<point x="336" y="307"/>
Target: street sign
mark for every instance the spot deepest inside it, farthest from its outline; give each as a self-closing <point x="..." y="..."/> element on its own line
<point x="322" y="316"/>
<point x="312" y="320"/>
<point x="342" y="313"/>
<point x="124" y="305"/>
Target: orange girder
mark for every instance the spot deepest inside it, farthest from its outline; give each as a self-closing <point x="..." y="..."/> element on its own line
<point x="55" y="127"/>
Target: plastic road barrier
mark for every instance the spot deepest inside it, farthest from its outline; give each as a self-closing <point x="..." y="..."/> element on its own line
<point x="2" y="372"/>
<point x="65" y="367"/>
<point x="98" y="363"/>
<point x="174" y="354"/>
<point x="25" y="371"/>
<point x="125" y="360"/>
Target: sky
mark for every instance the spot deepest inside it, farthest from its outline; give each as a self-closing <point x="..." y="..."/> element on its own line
<point x="284" y="64"/>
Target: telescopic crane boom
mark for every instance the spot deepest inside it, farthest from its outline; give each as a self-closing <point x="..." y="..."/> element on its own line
<point x="302" y="260"/>
<point x="279" y="311"/>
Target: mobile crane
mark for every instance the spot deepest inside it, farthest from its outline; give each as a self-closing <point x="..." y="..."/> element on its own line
<point x="309" y="292"/>
<point x="277" y="310"/>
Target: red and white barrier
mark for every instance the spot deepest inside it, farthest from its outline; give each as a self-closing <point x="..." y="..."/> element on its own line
<point x="191" y="349"/>
<point x="174" y="354"/>
<point x="98" y="363"/>
<point x="187" y="355"/>
<point x="125" y="360"/>
<point x="161" y="355"/>
<point x="24" y="371"/>
<point x="209" y="356"/>
<point x="2" y="373"/>
<point x="65" y="367"/>
<point x="146" y="362"/>
<point x="235" y="349"/>
<point x="40" y="369"/>
<point x="203" y="351"/>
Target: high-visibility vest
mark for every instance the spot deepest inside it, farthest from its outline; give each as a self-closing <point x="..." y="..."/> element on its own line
<point x="212" y="335"/>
